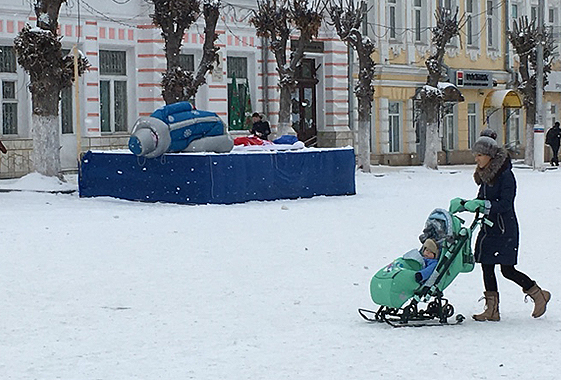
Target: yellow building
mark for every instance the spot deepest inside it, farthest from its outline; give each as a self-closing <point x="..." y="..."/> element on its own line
<point x="480" y="62"/>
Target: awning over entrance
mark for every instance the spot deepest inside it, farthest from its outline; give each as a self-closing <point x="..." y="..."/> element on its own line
<point x="502" y="99"/>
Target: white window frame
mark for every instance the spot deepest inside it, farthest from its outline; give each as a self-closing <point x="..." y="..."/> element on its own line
<point x="394" y="126"/>
<point x="451" y="5"/>
<point x="395" y="20"/>
<point x="71" y="102"/>
<point x="11" y="77"/>
<point x="513" y="125"/>
<point x="449" y="130"/>
<point x="473" y="124"/>
<point x="491" y="26"/>
<point x="420" y="22"/>
<point x="7" y="79"/>
<point x="250" y="68"/>
<point x="552" y="16"/>
<point x="514" y="13"/>
<point x="112" y="79"/>
<point x="472" y="23"/>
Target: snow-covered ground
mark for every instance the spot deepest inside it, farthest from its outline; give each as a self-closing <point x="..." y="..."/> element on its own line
<point x="102" y="288"/>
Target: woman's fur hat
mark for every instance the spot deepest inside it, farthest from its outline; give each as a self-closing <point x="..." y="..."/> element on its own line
<point x="485" y="145"/>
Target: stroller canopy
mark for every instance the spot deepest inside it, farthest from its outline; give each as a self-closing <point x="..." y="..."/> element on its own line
<point x="439" y="227"/>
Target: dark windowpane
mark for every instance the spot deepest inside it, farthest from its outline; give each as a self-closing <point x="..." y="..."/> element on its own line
<point x="469" y="24"/>
<point x="112" y="62"/>
<point x="7" y="59"/>
<point x="490" y="32"/>
<point x="105" y="105"/>
<point x="393" y="26"/>
<point x="308" y="68"/>
<point x="8" y="90"/>
<point x="120" y="106"/>
<point x="237" y="66"/>
<point x="187" y="62"/>
<point x="66" y="109"/>
<point x="417" y="25"/>
<point x="9" y="118"/>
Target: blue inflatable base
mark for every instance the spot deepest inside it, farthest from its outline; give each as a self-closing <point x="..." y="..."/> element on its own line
<point x="201" y="178"/>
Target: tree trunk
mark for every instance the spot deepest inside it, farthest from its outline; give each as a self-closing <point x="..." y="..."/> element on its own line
<point x="285" y="125"/>
<point x="287" y="81"/>
<point x="173" y="93"/>
<point x="45" y="126"/>
<point x="529" y="150"/>
<point x="432" y="144"/>
<point x="363" y="143"/>
<point x="530" y="102"/>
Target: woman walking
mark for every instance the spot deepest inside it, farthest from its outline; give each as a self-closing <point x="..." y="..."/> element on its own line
<point x="498" y="244"/>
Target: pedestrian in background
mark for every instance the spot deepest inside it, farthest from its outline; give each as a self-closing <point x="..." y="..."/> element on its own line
<point x="553" y="139"/>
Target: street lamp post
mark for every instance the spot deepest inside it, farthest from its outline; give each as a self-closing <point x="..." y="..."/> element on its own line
<point x="539" y="124"/>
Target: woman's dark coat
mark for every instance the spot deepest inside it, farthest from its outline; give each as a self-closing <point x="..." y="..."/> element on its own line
<point x="498" y="244"/>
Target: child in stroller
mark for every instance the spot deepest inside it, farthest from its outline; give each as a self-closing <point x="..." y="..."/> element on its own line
<point x="429" y="251"/>
<point x="397" y="283"/>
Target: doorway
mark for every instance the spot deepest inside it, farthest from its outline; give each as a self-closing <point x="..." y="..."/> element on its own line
<point x="304" y="120"/>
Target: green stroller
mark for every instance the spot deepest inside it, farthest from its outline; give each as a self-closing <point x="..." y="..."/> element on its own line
<point x="397" y="292"/>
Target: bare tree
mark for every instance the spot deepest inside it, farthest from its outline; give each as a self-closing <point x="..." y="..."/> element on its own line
<point x="274" y="20"/>
<point x="524" y="38"/>
<point x="39" y="52"/>
<point x="432" y="97"/>
<point x="347" y="17"/>
<point x="174" y="17"/>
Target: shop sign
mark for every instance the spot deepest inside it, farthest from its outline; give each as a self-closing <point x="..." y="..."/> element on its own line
<point x="473" y="79"/>
<point x="309" y="47"/>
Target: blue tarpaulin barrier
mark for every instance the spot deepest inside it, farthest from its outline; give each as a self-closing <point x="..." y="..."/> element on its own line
<point x="200" y="178"/>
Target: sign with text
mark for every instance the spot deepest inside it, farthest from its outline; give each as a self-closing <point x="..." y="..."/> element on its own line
<point x="473" y="79"/>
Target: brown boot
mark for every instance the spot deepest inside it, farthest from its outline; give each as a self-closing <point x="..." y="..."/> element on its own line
<point x="540" y="297"/>
<point x="491" y="312"/>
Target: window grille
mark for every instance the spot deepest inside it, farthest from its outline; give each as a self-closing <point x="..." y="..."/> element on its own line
<point x="394" y="116"/>
<point x="112" y="62"/>
<point x="237" y="66"/>
<point x="66" y="110"/>
<point x="66" y="116"/>
<point x="120" y="106"/>
<point x="113" y="91"/>
<point x="7" y="59"/>
<point x="472" y="124"/>
<point x="187" y="62"/>
<point x="9" y="108"/>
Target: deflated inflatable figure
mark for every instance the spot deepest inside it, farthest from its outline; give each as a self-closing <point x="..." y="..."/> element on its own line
<point x="179" y="128"/>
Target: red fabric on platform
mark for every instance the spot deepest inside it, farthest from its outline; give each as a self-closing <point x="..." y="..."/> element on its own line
<point x="248" y="140"/>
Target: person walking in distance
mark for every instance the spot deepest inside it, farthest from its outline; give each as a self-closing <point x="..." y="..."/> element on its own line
<point x="553" y="139"/>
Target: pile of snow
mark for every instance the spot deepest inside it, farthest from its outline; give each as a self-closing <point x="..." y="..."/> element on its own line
<point x="36" y="182"/>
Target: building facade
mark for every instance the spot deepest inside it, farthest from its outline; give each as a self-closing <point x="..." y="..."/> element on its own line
<point x="481" y="62"/>
<point x="127" y="60"/>
<point x="123" y="83"/>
